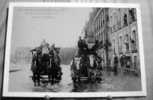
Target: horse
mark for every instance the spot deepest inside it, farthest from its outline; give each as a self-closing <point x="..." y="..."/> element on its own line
<point x="84" y="64"/>
<point x="75" y="68"/>
<point x="35" y="68"/>
<point x="92" y="72"/>
<point x="95" y="69"/>
<point x="40" y="65"/>
<point x="54" y="69"/>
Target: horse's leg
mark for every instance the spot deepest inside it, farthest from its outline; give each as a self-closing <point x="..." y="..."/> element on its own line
<point x="34" y="79"/>
<point x="51" y="78"/>
<point x="38" y="79"/>
<point x="49" y="71"/>
<point x="48" y="77"/>
<point x="56" y="75"/>
<point x="53" y="75"/>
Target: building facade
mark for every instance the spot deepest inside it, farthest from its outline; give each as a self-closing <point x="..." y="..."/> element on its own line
<point x="97" y="29"/>
<point x="124" y="35"/>
<point x="116" y="29"/>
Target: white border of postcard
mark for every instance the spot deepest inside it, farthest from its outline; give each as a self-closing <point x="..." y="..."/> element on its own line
<point x="7" y="93"/>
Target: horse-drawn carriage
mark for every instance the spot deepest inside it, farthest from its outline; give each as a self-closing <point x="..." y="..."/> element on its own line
<point x="86" y="68"/>
<point x="45" y="68"/>
<point x="86" y="65"/>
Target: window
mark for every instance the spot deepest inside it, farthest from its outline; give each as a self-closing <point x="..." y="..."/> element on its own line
<point x="127" y="42"/>
<point x="125" y="20"/>
<point x="114" y="47"/>
<point x="133" y="41"/>
<point x="120" y="44"/>
<point x="135" y="62"/>
<point x="132" y="15"/>
<point x="111" y="19"/>
<point x="119" y="19"/>
<point x="115" y="21"/>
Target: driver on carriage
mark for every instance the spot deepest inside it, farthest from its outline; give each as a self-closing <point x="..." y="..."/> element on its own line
<point x="85" y="50"/>
<point x="45" y="51"/>
<point x="82" y="47"/>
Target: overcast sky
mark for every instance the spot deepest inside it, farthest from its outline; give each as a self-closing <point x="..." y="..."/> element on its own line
<point x="61" y="26"/>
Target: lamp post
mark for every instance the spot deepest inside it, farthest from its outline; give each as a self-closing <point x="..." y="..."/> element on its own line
<point x="107" y="43"/>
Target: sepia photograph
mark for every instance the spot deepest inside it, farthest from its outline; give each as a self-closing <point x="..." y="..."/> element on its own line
<point x="74" y="50"/>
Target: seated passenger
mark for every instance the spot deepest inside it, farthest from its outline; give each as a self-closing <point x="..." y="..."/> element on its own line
<point x="80" y="46"/>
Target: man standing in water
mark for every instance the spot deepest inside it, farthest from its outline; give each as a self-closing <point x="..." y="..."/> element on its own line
<point x="115" y="64"/>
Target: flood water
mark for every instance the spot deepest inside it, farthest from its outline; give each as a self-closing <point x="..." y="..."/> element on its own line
<point x="20" y="80"/>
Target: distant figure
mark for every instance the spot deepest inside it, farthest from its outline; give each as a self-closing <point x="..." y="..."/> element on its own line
<point x="115" y="65"/>
<point x="128" y="62"/>
<point x="122" y="60"/>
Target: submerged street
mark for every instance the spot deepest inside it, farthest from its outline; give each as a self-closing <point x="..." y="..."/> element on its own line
<point x="20" y="80"/>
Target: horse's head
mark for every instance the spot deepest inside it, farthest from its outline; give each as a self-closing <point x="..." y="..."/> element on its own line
<point x="34" y="56"/>
<point x="77" y="62"/>
<point x="34" y="53"/>
<point x="91" y="59"/>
